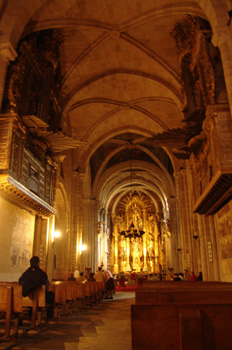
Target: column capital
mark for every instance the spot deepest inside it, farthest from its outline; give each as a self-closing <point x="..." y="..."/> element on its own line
<point x="179" y="174"/>
<point x="82" y="176"/>
<point x="221" y="35"/>
<point x="7" y="52"/>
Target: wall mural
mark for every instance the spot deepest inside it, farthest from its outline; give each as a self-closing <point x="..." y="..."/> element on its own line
<point x="21" y="247"/>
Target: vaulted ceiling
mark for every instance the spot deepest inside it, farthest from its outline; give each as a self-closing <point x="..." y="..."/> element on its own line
<point x="121" y="88"/>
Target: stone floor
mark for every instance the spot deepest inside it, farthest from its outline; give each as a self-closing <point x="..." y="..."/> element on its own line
<point x="105" y="326"/>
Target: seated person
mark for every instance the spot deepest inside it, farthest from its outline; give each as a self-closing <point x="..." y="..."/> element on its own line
<point x="33" y="278"/>
<point x="80" y="278"/>
<point x="91" y="277"/>
<point x="72" y="278"/>
<point x="99" y="275"/>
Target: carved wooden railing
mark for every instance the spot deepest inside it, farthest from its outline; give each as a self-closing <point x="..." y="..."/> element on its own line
<point x="26" y="174"/>
<point x="212" y="168"/>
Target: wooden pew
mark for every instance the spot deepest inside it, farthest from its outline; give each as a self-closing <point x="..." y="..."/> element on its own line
<point x="81" y="299"/>
<point x="186" y="284"/>
<point x="89" y="293"/>
<point x="97" y="292"/>
<point x="101" y="289"/>
<point x="183" y="296"/>
<point x="20" y="308"/>
<point x="179" y="326"/>
<point x="6" y="296"/>
<point x="19" y="311"/>
<point x="74" y="291"/>
<point x="59" y="288"/>
<point x="37" y="301"/>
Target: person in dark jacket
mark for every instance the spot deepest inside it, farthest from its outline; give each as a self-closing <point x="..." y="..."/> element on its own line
<point x="72" y="278"/>
<point x="33" y="278"/>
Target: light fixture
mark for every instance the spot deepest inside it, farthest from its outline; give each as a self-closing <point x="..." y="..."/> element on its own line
<point x="132" y="232"/>
<point x="55" y="234"/>
<point x="83" y="247"/>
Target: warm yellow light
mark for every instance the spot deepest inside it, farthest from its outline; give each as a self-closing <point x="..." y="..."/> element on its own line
<point x="83" y="247"/>
<point x="56" y="234"/>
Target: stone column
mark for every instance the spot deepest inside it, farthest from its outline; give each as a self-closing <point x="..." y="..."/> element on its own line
<point x="94" y="234"/>
<point x="79" y="218"/>
<point x="174" y="226"/>
<point x="49" y="248"/>
<point x="7" y="53"/>
<point x="86" y="234"/>
<point x="182" y="223"/>
<point x="73" y="228"/>
<point x="204" y="263"/>
<point x="215" y="257"/>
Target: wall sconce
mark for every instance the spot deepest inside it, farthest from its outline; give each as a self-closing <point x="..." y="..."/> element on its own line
<point x="83" y="248"/>
<point x="55" y="234"/>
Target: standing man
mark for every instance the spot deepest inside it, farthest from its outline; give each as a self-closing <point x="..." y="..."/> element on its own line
<point x="33" y="278"/>
<point x="109" y="284"/>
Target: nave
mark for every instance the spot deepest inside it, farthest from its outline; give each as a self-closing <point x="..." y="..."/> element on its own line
<point x="103" y="326"/>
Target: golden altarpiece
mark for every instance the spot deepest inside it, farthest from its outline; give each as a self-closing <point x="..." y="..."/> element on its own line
<point x="138" y="236"/>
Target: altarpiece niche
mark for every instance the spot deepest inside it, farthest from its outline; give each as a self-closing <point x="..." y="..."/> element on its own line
<point x="138" y="236"/>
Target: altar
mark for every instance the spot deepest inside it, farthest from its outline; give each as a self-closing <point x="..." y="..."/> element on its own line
<point x="138" y="238"/>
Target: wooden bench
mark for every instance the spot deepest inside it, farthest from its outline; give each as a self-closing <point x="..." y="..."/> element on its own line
<point x="101" y="290"/>
<point x="183" y="296"/>
<point x="71" y="295"/>
<point x="6" y="296"/>
<point x="179" y="326"/>
<point x="37" y="301"/>
<point x="59" y="288"/>
<point x="186" y="284"/>
<point x="20" y="307"/>
<point x="89" y="293"/>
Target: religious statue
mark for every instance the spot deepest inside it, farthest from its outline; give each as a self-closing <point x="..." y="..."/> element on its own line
<point x="136" y="253"/>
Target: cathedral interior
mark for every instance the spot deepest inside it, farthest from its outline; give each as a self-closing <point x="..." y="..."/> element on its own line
<point x="116" y="136"/>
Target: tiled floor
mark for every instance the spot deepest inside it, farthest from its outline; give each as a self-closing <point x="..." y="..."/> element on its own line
<point x="105" y="326"/>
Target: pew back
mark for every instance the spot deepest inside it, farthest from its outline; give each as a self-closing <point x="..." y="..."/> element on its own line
<point x="6" y="293"/>
<point x="38" y="296"/>
<point x="17" y="303"/>
<point x="186" y="284"/>
<point x="183" y="296"/>
<point x="186" y="327"/>
<point x="59" y="288"/>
